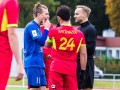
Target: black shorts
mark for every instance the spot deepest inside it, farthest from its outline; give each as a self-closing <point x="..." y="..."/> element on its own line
<point x="89" y="76"/>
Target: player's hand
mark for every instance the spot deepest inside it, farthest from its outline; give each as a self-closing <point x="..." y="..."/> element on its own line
<point x="20" y="71"/>
<point x="47" y="23"/>
<point x="82" y="76"/>
<point x="19" y="77"/>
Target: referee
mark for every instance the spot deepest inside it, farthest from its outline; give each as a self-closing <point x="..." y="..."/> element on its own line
<point x="86" y="78"/>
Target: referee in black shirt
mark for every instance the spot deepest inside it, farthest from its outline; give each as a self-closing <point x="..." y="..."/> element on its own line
<point x="86" y="78"/>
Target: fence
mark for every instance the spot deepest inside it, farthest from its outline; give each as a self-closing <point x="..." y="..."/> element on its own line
<point x="113" y="79"/>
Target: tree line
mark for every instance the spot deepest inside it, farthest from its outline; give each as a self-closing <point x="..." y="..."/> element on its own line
<point x="99" y="16"/>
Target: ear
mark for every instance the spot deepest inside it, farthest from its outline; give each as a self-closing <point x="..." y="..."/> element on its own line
<point x="84" y="15"/>
<point x="39" y="14"/>
<point x="58" y="18"/>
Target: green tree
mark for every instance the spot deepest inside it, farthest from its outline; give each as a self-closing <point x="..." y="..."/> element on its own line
<point x="26" y="7"/>
<point x="97" y="17"/>
<point x="113" y="11"/>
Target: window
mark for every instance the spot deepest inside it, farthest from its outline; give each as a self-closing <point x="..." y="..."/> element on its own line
<point x="103" y="52"/>
<point x="97" y="53"/>
<point x="109" y="53"/>
<point x="117" y="54"/>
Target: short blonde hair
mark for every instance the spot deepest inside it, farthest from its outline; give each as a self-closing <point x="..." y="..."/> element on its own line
<point x="86" y="9"/>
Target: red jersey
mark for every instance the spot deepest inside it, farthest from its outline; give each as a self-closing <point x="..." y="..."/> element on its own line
<point x="9" y="11"/>
<point x="8" y="17"/>
<point x="47" y="58"/>
<point x="66" y="44"/>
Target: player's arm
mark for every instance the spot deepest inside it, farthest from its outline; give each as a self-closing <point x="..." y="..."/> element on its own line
<point x="83" y="57"/>
<point x="83" y="62"/>
<point x="12" y="9"/>
<point x="41" y="40"/>
<point x="49" y="43"/>
<point x="13" y="40"/>
<point x="91" y="40"/>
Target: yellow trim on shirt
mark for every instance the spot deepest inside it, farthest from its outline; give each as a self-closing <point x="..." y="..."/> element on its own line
<point x="10" y="25"/>
<point x="4" y="21"/>
<point x="5" y="25"/>
<point x="79" y="44"/>
<point x="83" y="44"/>
<point x="66" y="24"/>
<point x="54" y="43"/>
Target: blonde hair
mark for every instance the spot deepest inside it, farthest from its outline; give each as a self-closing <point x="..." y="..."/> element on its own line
<point x="86" y="9"/>
<point x="38" y="8"/>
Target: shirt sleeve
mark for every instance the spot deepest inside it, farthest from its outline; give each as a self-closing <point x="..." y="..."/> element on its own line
<point x="34" y="33"/>
<point x="91" y="34"/>
<point x="38" y="37"/>
<point x="91" y="41"/>
<point x="83" y="40"/>
<point x="12" y="9"/>
<point x="41" y="39"/>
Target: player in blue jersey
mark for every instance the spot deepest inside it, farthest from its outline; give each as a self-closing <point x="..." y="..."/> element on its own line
<point x="33" y="42"/>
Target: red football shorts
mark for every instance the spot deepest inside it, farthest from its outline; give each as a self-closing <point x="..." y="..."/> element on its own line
<point x="59" y="81"/>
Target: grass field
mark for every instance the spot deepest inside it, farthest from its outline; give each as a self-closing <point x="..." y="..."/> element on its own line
<point x="97" y="84"/>
<point x="100" y="84"/>
<point x="16" y="88"/>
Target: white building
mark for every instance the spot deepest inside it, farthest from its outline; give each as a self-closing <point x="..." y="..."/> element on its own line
<point x="108" y="45"/>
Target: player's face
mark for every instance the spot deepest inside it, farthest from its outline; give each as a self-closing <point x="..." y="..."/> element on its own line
<point x="79" y="15"/>
<point x="45" y="15"/>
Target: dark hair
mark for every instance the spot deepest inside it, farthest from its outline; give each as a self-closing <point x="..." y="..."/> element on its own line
<point x="38" y="8"/>
<point x="64" y="12"/>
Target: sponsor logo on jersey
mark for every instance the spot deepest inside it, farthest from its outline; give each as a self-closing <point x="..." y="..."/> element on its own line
<point x="34" y="33"/>
<point x="53" y="86"/>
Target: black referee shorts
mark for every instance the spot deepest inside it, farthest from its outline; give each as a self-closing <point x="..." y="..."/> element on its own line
<point x="89" y="76"/>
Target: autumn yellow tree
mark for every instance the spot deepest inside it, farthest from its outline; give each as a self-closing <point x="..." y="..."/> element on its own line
<point x="113" y="12"/>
